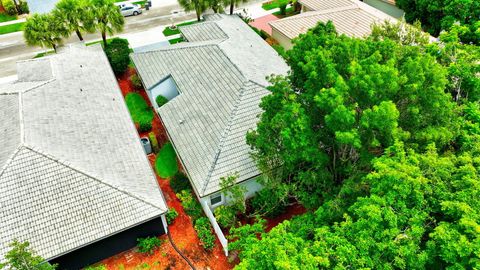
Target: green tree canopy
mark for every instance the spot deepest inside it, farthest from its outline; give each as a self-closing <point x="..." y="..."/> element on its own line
<point x="380" y="138"/>
<point x="108" y="19"/>
<point x="21" y="257"/>
<point x="77" y="16"/>
<point x="44" y="30"/>
<point x="438" y="15"/>
<point x="345" y="101"/>
<point x="198" y="5"/>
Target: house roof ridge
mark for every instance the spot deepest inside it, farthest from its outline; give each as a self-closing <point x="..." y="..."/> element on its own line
<point x="185" y="45"/>
<point x="226" y="132"/>
<point x="68" y="165"/>
<point x="10" y="159"/>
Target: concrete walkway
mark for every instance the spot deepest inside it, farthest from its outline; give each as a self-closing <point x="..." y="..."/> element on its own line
<point x="13" y="22"/>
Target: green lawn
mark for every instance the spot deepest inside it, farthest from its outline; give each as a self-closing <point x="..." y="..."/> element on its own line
<point x="269" y="5"/>
<point x="166" y="162"/>
<point x="5" y="17"/>
<point x="11" y="28"/>
<point x="139" y="109"/>
<point x="140" y="3"/>
<point x="44" y="54"/>
<point x="170" y="32"/>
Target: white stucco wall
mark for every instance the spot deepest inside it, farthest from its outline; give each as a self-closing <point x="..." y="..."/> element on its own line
<point x="252" y="186"/>
<point x="388" y="8"/>
<point x="285" y="42"/>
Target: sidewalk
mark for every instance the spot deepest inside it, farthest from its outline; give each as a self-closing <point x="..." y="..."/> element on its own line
<point x="13" y="22"/>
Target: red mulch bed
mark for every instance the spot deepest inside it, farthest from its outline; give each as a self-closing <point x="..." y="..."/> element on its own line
<point x="181" y="230"/>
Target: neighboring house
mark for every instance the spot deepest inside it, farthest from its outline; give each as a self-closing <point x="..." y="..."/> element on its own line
<point x="41" y="6"/>
<point x="74" y="179"/>
<point x="387" y="6"/>
<point x="214" y="83"/>
<point x="350" y="17"/>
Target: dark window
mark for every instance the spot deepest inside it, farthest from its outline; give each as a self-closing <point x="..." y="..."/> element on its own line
<point x="215" y="199"/>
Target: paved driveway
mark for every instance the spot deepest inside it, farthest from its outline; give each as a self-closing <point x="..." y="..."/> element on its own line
<point x="262" y="23"/>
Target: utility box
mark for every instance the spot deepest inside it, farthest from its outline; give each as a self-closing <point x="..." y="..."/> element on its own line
<point x="147" y="146"/>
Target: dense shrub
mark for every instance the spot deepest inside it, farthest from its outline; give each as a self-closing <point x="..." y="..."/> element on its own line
<point x="261" y="33"/>
<point x="264" y="34"/>
<point x="205" y="233"/>
<point x="117" y="52"/>
<point x="161" y="100"/>
<point x="153" y="140"/>
<point x="225" y="216"/>
<point x="179" y="182"/>
<point x="268" y="203"/>
<point x="9" y="7"/>
<point x="24" y="7"/>
<point x="190" y="204"/>
<point x="144" y="126"/>
<point x="282" y="5"/>
<point x="171" y="215"/>
<point x="136" y="82"/>
<point x="148" y="245"/>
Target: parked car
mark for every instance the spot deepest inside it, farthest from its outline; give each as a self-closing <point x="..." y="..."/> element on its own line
<point x="127" y="9"/>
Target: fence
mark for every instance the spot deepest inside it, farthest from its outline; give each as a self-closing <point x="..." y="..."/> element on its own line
<point x="215" y="225"/>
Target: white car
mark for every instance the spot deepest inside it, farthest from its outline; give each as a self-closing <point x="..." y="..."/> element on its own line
<point x="129" y="9"/>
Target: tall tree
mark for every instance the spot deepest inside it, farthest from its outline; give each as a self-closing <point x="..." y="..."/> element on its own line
<point x="198" y="5"/>
<point x="22" y="257"/>
<point x="369" y="130"/>
<point x="44" y="30"/>
<point x="217" y="5"/>
<point x="345" y="101"/>
<point x="77" y="16"/>
<point x="401" y="32"/>
<point x="438" y="15"/>
<point x="108" y="19"/>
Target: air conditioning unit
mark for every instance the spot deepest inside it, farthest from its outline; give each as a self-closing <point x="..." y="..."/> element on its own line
<point x="147" y="146"/>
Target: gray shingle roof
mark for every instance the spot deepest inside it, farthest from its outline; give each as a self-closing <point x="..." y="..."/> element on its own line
<point x="220" y="84"/>
<point x="203" y="32"/>
<point x="233" y="154"/>
<point x="73" y="170"/>
<point x="324" y="4"/>
<point x="353" y="20"/>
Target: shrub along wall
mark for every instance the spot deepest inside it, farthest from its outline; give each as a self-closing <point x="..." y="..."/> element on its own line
<point x="117" y="52"/>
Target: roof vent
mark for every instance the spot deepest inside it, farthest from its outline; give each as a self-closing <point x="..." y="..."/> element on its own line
<point x="181" y="121"/>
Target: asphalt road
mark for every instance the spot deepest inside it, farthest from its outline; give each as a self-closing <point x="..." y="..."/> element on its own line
<point x="13" y="48"/>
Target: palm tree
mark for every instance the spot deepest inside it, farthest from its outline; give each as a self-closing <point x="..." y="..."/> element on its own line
<point x="76" y="15"/>
<point x="108" y="19"/>
<point x="235" y="3"/>
<point x="44" y="30"/>
<point x="198" y="5"/>
<point x="217" y="5"/>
